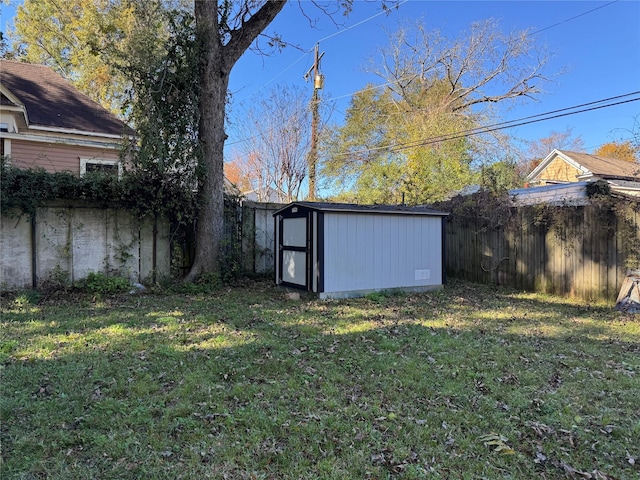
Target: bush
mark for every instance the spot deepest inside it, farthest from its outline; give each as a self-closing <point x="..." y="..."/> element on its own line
<point x="99" y="283"/>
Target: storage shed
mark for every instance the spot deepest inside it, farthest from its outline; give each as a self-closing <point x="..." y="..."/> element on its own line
<point x="342" y="250"/>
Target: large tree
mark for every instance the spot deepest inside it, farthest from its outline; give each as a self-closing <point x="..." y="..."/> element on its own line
<point x="416" y="139"/>
<point x="225" y="30"/>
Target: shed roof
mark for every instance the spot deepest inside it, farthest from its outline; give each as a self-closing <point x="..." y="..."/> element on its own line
<point x="355" y="208"/>
<point x="51" y="101"/>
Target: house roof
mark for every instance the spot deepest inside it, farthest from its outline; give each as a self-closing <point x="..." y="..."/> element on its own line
<point x="574" y="193"/>
<point x="605" y="166"/>
<point x="51" y="101"/>
<point x="591" y="165"/>
<point x="353" y="208"/>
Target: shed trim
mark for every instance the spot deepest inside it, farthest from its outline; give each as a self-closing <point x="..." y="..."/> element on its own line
<point x="356" y="208"/>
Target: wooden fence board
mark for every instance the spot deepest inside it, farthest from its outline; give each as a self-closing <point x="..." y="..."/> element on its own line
<point x="583" y="256"/>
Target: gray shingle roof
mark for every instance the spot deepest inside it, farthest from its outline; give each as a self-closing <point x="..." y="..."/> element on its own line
<point x="605" y="167"/>
<point x="51" y="101"/>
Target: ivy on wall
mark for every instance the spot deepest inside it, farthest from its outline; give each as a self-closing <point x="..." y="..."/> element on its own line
<point x="617" y="215"/>
<point x="144" y="192"/>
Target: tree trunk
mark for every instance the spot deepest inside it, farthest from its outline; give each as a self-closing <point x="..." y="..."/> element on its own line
<point x="216" y="61"/>
<point x="213" y="83"/>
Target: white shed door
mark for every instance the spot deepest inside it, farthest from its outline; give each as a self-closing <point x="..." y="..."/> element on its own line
<point x="293" y="247"/>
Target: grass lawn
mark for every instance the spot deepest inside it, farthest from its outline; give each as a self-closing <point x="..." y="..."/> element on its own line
<point x="240" y="383"/>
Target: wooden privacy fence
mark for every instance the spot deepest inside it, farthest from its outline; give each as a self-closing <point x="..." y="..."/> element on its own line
<point x="583" y="251"/>
<point x="248" y="243"/>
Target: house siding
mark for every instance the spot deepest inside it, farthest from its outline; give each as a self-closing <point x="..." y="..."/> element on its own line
<point x="55" y="158"/>
<point x="559" y="171"/>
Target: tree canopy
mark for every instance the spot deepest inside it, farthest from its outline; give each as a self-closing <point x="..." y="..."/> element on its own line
<point x="86" y="41"/>
<point x="625" y="150"/>
<point x="411" y="141"/>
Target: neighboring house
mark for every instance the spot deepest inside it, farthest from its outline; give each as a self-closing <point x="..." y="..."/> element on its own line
<point x="268" y="195"/>
<point x="45" y="122"/>
<point x="563" y="167"/>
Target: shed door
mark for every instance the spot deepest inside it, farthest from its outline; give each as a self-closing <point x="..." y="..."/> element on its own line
<point x="293" y="251"/>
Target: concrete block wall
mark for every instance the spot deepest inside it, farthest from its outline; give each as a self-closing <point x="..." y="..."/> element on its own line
<point x="65" y="242"/>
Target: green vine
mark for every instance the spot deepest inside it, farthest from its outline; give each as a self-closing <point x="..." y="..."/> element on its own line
<point x="144" y="192"/>
<point x="616" y="214"/>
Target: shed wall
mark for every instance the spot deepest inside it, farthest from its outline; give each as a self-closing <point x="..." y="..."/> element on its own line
<point x="368" y="252"/>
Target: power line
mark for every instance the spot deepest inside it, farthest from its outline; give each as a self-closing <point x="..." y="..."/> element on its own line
<point x="375" y="87"/>
<point x="340" y="32"/>
<point x="535" y="32"/>
<point x="504" y="125"/>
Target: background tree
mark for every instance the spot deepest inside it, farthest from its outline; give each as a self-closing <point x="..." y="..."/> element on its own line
<point x="538" y="150"/>
<point x="236" y="172"/>
<point x="68" y="35"/>
<point x="276" y="132"/>
<point x="410" y="140"/>
<point x="501" y="176"/>
<point x="84" y="40"/>
<point x="624" y="150"/>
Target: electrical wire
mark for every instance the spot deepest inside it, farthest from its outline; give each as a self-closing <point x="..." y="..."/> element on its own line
<point x="375" y="87"/>
<point x="310" y="50"/>
<point x="502" y="125"/>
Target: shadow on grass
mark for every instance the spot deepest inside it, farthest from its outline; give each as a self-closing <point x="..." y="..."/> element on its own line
<point x="245" y="384"/>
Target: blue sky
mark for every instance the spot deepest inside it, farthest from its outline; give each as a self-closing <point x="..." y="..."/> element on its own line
<point x="597" y="48"/>
<point x="596" y="44"/>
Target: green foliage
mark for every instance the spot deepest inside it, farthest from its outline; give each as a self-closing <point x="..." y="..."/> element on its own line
<point x="58" y="279"/>
<point x="26" y="298"/>
<point x="379" y="156"/>
<point x="164" y="105"/>
<point x="469" y="382"/>
<point x="69" y="37"/>
<point x="145" y="192"/>
<point x="488" y="210"/>
<point x="500" y="177"/>
<point x="100" y="283"/>
<point x="598" y="190"/>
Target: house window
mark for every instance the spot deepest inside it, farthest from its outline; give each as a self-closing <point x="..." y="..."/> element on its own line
<point x="88" y="165"/>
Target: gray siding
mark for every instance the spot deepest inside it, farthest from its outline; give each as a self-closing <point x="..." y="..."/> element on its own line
<point x="366" y="252"/>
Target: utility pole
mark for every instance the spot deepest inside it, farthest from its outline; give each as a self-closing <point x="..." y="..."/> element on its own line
<point x="312" y="159"/>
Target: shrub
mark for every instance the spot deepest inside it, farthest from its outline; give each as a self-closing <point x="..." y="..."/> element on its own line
<point x="99" y="283"/>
